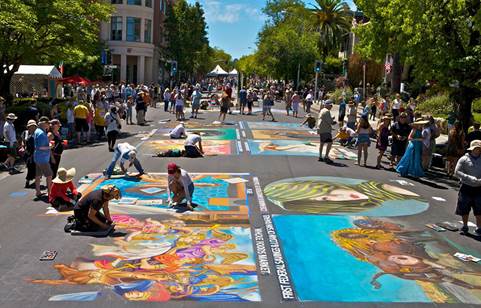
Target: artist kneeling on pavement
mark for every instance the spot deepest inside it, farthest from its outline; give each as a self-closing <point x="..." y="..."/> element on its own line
<point x="87" y="211"/>
<point x="126" y="153"/>
<point x="64" y="195"/>
<point x="180" y="185"/>
<point x="468" y="170"/>
<point x="193" y="146"/>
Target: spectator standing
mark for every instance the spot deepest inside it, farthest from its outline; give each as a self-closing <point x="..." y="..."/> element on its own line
<point x="400" y="132"/>
<point x="42" y="155"/>
<point x="56" y="145"/>
<point x="243" y="99"/>
<point x="364" y="131"/>
<point x="383" y="132"/>
<point x="10" y="138"/>
<point x="166" y="97"/>
<point x="81" y="113"/>
<point x="70" y="120"/>
<point x="475" y="134"/>
<point x="224" y="107"/>
<point x="411" y="162"/>
<point x="455" y="149"/>
<point x="342" y="111"/>
<point x="468" y="170"/>
<point x="196" y="96"/>
<point x="324" y="125"/>
<point x="352" y="115"/>
<point x="112" y="120"/>
<point x="396" y="105"/>
<point x="296" y="100"/>
<point x="28" y="143"/>
<point x="140" y="108"/>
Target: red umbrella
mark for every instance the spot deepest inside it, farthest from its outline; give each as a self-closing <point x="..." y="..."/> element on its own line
<point x="76" y="80"/>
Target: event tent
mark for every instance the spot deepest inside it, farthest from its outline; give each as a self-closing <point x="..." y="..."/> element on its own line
<point x="234" y="72"/>
<point x="217" y="71"/>
<point x="76" y="80"/>
<point x="36" y="78"/>
<point x="49" y="71"/>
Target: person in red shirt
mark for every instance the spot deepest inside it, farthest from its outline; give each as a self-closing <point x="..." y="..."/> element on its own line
<point x="64" y="195"/>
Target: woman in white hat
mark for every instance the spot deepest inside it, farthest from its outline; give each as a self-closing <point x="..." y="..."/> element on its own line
<point x="28" y="144"/>
<point x="63" y="194"/>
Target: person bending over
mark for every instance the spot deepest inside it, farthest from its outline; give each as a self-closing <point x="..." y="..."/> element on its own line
<point x="126" y="153"/>
<point x="193" y="146"/>
<point x="180" y="186"/>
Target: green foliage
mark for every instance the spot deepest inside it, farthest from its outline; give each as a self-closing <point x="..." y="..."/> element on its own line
<point x="439" y="105"/>
<point x="187" y="36"/>
<point x="47" y="31"/>
<point x="374" y="71"/>
<point x="338" y="93"/>
<point x="477" y="105"/>
<point x="332" y="65"/>
<point x="222" y="58"/>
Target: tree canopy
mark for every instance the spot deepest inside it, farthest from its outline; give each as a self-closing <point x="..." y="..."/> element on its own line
<point x="47" y="31"/>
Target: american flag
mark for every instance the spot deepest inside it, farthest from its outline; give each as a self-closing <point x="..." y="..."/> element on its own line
<point x="388" y="67"/>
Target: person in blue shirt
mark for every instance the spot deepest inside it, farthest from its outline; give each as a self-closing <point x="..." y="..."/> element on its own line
<point x="196" y="96"/>
<point x="42" y="155"/>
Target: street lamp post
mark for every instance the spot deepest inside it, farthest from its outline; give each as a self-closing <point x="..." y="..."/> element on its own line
<point x="364" y="80"/>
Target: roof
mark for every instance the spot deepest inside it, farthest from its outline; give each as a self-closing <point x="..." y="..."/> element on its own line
<point x="217" y="71"/>
<point x="42" y="70"/>
<point x="233" y="72"/>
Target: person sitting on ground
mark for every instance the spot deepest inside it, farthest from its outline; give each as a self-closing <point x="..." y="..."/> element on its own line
<point x="310" y="121"/>
<point x="126" y="153"/>
<point x="345" y="136"/>
<point x="468" y="170"/>
<point x="180" y="185"/>
<point x="193" y="146"/>
<point x="88" y="217"/>
<point x="64" y="195"/>
<point x="178" y="132"/>
<point x="171" y="153"/>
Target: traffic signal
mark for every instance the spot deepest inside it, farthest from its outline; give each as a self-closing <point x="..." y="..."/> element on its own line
<point x="173" y="68"/>
<point x="318" y="67"/>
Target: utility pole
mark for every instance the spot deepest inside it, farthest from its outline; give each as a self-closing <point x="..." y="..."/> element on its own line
<point x="317" y="69"/>
<point x="364" y="81"/>
<point x="298" y="75"/>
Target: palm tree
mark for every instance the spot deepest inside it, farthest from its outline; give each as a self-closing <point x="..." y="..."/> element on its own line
<point x="332" y="19"/>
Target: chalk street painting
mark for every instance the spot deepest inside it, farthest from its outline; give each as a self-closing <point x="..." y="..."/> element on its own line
<point x="208" y="133"/>
<point x="372" y="260"/>
<point x="270" y="134"/>
<point x="275" y="125"/>
<point x="211" y="147"/>
<point x="296" y="148"/>
<point x="165" y="259"/>
<point x="343" y="196"/>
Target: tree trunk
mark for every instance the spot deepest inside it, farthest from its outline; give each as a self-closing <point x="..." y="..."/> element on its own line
<point x="5" y="80"/>
<point x="396" y="74"/>
<point x="464" y="97"/>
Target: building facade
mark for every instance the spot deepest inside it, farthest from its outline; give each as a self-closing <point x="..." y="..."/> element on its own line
<point x="135" y="37"/>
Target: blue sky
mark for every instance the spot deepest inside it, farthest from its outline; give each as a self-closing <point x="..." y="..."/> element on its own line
<point x="234" y="24"/>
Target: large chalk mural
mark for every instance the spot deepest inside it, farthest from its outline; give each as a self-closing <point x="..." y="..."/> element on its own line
<point x="361" y="259"/>
<point x="204" y="255"/>
<point x="296" y="148"/>
<point x="207" y="133"/>
<point x="211" y="147"/>
<point x="343" y="196"/>
<point x="270" y="134"/>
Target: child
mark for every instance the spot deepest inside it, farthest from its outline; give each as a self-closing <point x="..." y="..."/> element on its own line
<point x="310" y="121"/>
<point x="63" y="194"/>
<point x="345" y="135"/>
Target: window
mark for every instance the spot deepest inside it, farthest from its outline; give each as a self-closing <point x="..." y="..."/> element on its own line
<point x="133" y="29"/>
<point x="148" y="3"/>
<point x="148" y="31"/>
<point x="117" y="1"/>
<point x="116" y="28"/>
<point x="134" y="2"/>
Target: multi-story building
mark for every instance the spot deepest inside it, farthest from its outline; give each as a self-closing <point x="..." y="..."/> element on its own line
<point x="135" y="38"/>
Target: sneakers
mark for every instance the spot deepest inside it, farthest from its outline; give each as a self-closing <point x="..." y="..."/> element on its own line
<point x="465" y="229"/>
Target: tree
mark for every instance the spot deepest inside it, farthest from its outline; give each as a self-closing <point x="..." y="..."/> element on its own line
<point x="187" y="35"/>
<point x="222" y="58"/>
<point x="46" y="31"/>
<point x="440" y="39"/>
<point x="332" y="19"/>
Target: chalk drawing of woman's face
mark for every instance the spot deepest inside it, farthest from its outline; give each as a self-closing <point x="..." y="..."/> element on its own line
<point x="398" y="190"/>
<point x="341" y="194"/>
<point x="403" y="260"/>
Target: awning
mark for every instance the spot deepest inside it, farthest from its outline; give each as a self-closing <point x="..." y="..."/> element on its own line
<point x="76" y="80"/>
<point x="39" y="70"/>
<point x="217" y="71"/>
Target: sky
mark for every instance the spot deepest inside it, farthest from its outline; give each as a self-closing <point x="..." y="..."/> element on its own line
<point x="234" y="24"/>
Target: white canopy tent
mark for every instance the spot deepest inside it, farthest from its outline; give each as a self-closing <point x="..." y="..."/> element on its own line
<point x="40" y="70"/>
<point x="36" y="78"/>
<point x="217" y="71"/>
<point x="234" y="72"/>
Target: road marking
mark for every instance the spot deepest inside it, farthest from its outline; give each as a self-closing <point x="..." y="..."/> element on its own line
<point x="248" y="149"/>
<point x="244" y="134"/>
<point x="237" y="133"/>
<point x="149" y="135"/>
<point x="241" y="125"/>
<point x="239" y="146"/>
<point x="260" y="195"/>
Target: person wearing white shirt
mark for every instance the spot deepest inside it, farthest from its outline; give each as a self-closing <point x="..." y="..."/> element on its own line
<point x="127" y="154"/>
<point x="10" y="138"/>
<point x="180" y="184"/>
<point x="178" y="132"/>
<point x="396" y="105"/>
<point x="193" y="146"/>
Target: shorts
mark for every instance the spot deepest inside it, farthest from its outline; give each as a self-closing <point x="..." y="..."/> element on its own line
<point x="179" y="108"/>
<point x="326" y="137"/>
<point x="195" y="105"/>
<point x="224" y="109"/>
<point x="192" y="151"/>
<point x="469" y="197"/>
<point x="81" y="125"/>
<point x="43" y="170"/>
<point x="12" y="150"/>
<point x="363" y="139"/>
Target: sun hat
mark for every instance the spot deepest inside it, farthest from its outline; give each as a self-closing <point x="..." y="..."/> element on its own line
<point x="474" y="144"/>
<point x="11" y="116"/>
<point x="31" y="123"/>
<point x="386" y="117"/>
<point x="44" y="119"/>
<point x="64" y="176"/>
<point x="421" y="122"/>
<point x="172" y="168"/>
<point x="55" y="122"/>
<point x="112" y="191"/>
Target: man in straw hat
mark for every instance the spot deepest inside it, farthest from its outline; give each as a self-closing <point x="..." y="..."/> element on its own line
<point x="127" y="154"/>
<point x="87" y="211"/>
<point x="468" y="170"/>
<point x="64" y="195"/>
<point x="10" y="138"/>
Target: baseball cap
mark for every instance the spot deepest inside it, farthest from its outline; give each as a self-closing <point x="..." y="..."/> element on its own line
<point x="172" y="168"/>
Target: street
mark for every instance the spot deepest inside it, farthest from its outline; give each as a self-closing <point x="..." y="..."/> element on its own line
<point x="282" y="227"/>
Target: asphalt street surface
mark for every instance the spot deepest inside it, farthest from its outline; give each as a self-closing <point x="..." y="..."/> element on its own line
<point x="25" y="230"/>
